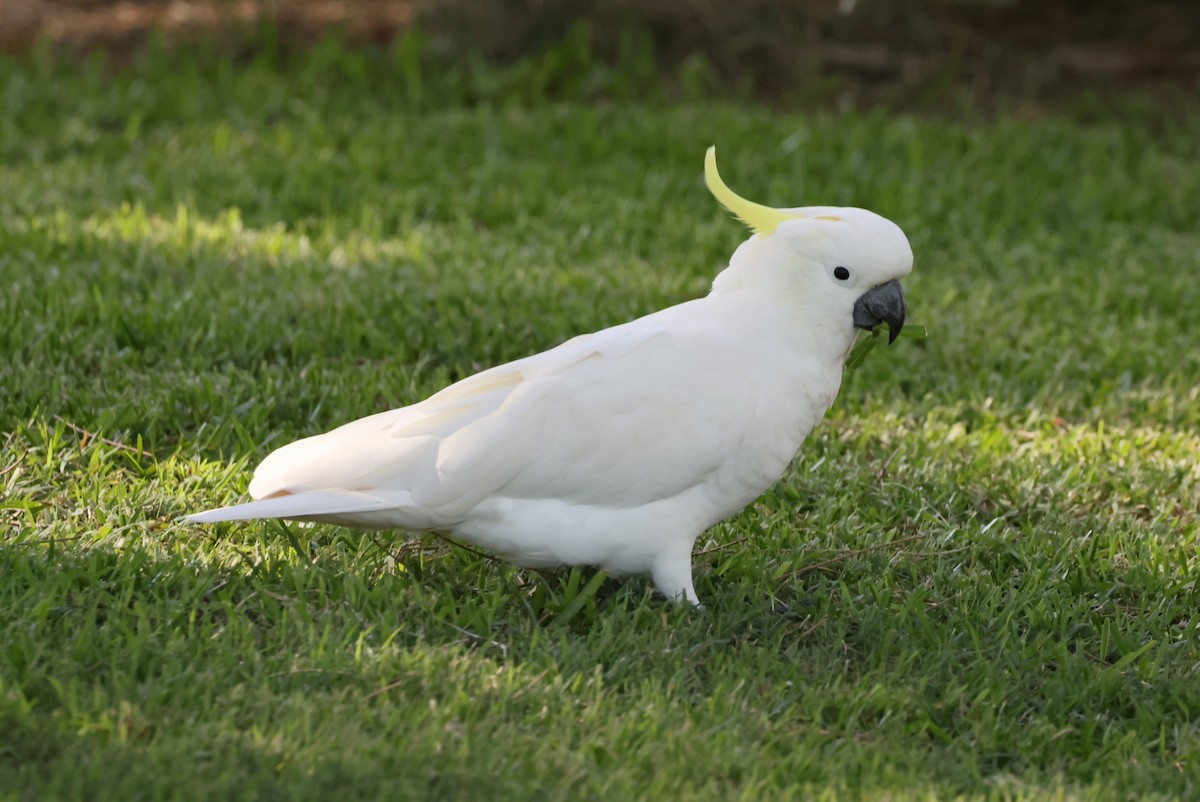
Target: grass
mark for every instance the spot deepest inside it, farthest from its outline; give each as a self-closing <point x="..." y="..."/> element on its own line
<point x="977" y="581"/>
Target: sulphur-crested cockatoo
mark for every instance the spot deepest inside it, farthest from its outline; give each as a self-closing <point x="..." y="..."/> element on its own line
<point x="618" y="449"/>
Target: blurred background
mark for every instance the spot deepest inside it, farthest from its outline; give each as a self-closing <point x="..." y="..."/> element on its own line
<point x="907" y="53"/>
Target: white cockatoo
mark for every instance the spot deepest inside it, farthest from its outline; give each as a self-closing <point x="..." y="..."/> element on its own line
<point x="618" y="449"/>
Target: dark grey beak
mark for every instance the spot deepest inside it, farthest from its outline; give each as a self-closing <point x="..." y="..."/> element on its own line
<point x="882" y="304"/>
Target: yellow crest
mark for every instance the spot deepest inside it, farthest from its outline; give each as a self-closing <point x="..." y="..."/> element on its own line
<point x="761" y="219"/>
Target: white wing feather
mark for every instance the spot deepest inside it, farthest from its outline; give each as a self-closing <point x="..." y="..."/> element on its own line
<point x="606" y="419"/>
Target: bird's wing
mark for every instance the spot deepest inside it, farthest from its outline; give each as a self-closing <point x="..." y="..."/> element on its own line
<point x="621" y="417"/>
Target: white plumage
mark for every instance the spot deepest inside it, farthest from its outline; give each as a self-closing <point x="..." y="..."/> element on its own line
<point x="619" y="448"/>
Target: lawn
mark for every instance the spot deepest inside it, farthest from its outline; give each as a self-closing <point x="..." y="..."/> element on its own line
<point x="977" y="581"/>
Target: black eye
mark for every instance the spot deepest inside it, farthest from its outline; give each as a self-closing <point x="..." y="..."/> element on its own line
<point x="841" y="273"/>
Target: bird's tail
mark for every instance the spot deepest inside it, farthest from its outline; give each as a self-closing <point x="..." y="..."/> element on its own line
<point x="309" y="504"/>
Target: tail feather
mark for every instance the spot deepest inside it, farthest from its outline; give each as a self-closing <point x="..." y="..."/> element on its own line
<point x="297" y="505"/>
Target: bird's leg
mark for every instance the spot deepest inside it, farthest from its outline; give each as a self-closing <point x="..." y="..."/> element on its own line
<point x="672" y="572"/>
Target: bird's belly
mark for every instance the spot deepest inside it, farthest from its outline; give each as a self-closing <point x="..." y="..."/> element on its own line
<point x="541" y="533"/>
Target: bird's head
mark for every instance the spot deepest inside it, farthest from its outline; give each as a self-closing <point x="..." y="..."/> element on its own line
<point x="844" y="261"/>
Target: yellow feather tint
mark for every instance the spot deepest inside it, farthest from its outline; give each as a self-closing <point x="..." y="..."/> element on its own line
<point x="761" y="219"/>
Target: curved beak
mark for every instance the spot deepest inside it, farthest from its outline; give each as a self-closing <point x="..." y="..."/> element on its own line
<point x="882" y="304"/>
